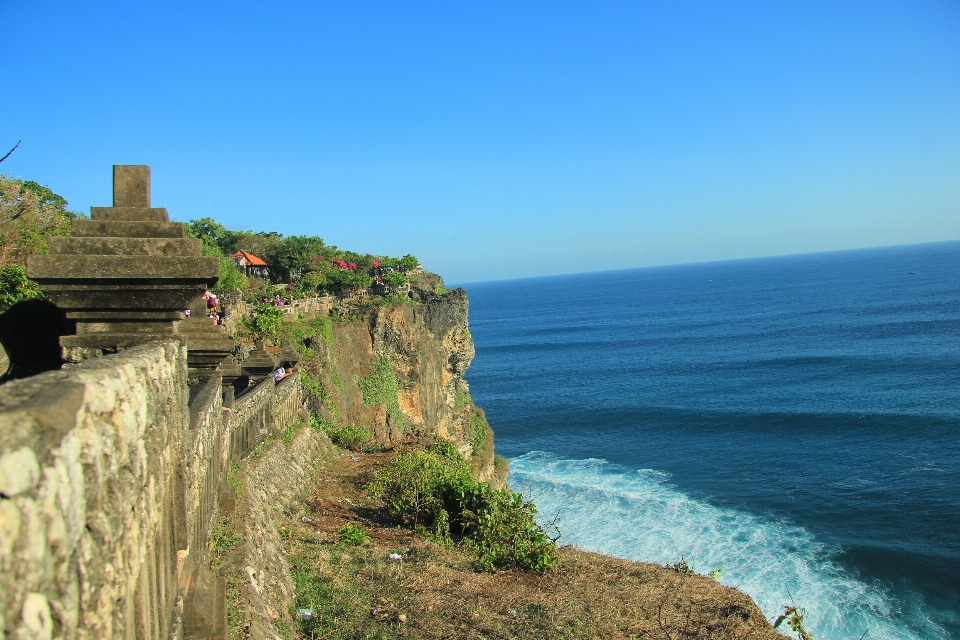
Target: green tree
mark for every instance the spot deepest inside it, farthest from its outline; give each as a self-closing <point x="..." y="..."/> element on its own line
<point x="341" y="280"/>
<point x="295" y="255"/>
<point x="230" y="276"/>
<point x="16" y="286"/>
<point x="408" y="262"/>
<point x="210" y="232"/>
<point x="214" y="237"/>
<point x="29" y="215"/>
<point x="394" y="278"/>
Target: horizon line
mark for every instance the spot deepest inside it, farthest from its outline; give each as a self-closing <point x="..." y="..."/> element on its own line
<point x="705" y="262"/>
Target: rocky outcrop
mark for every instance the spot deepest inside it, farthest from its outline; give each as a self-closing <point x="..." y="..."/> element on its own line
<point x="399" y="371"/>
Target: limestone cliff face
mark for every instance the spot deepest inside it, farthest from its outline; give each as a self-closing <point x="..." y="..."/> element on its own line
<point x="400" y="370"/>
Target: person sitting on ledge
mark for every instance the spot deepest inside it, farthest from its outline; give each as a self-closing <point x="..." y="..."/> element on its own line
<point x="279" y="374"/>
<point x="30" y="332"/>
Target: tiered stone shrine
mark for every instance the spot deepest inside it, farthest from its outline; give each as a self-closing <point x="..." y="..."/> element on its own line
<point x="126" y="274"/>
<point x="259" y="364"/>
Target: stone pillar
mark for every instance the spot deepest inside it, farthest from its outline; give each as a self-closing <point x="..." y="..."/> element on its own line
<point x="126" y="274"/>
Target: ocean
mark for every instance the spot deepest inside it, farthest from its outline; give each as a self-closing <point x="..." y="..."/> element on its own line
<point x="793" y="421"/>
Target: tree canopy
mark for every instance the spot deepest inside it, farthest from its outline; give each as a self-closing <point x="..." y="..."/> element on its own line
<point x="306" y="262"/>
<point x="29" y="214"/>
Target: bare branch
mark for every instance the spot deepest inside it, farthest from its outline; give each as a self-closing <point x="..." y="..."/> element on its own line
<point x="11" y="151"/>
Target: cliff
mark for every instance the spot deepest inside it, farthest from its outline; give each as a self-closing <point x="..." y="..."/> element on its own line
<point x="399" y="372"/>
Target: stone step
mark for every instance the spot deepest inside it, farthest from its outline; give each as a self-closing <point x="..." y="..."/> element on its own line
<point x="126" y="246"/>
<point x="130" y="214"/>
<point x="201" y="324"/>
<point x="126" y="315"/>
<point x="138" y="229"/>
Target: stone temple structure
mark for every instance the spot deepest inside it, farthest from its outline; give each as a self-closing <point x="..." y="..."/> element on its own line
<point x="126" y="275"/>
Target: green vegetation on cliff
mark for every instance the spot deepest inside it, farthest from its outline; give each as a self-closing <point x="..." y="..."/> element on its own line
<point x="381" y="387"/>
<point x="306" y="263"/>
<point x="434" y="489"/>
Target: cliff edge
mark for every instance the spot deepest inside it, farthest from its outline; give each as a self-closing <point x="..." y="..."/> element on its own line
<point x="398" y="370"/>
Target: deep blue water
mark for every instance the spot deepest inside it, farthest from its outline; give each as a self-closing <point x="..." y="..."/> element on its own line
<point x="793" y="421"/>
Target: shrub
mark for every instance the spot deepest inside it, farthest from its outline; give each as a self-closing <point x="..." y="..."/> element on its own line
<point x="435" y="490"/>
<point x="682" y="567"/>
<point x="394" y="279"/>
<point x="795" y="619"/>
<point x="16" y="286"/>
<point x="352" y="534"/>
<point x="478" y="428"/>
<point x="461" y="400"/>
<point x="290" y="432"/>
<point x="381" y="387"/>
<point x="348" y="437"/>
<point x="325" y="327"/>
<point x="265" y="322"/>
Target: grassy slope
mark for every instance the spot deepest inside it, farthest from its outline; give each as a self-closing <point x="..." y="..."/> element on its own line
<point x="435" y="591"/>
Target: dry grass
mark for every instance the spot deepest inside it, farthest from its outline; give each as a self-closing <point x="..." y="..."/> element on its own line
<point x="436" y="592"/>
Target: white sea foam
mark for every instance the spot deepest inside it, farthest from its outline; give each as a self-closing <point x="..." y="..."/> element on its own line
<point x="639" y="516"/>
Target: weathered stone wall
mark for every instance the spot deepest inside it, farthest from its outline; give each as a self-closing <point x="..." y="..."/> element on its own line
<point x="271" y="485"/>
<point x="90" y="497"/>
<point x="307" y="307"/>
<point x="253" y="418"/>
<point x="207" y="450"/>
<point x="311" y="307"/>
<point x="110" y="480"/>
<point x="288" y="400"/>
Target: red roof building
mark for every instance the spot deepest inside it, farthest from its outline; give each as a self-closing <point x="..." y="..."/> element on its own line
<point x="251" y="265"/>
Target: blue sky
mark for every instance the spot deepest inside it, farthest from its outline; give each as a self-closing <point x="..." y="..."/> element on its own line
<point x="501" y="140"/>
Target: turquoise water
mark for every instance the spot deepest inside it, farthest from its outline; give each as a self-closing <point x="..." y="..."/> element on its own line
<point x="793" y="421"/>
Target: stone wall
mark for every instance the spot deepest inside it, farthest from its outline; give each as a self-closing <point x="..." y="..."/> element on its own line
<point x="310" y="307"/>
<point x="288" y="400"/>
<point x="110" y="480"/>
<point x="253" y="418"/>
<point x="307" y="307"/>
<point x="207" y="448"/>
<point x="271" y="485"/>
<point x="91" y="498"/>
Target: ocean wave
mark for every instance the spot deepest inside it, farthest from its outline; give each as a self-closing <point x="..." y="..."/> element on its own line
<point x="636" y="514"/>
